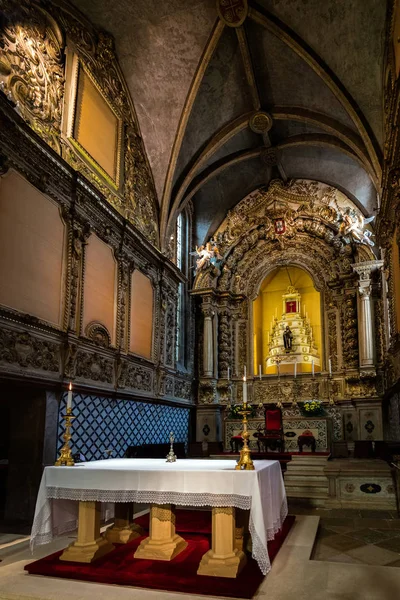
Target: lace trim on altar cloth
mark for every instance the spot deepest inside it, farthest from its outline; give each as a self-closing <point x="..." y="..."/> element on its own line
<point x="259" y="551"/>
<point x="151" y="497"/>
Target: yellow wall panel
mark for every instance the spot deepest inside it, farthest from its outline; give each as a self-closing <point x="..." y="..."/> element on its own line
<point x="142" y="300"/>
<point x="96" y="126"/>
<point x="100" y="286"/>
<point x="31" y="250"/>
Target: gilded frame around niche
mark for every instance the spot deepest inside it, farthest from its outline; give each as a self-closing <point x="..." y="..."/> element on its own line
<point x="76" y="69"/>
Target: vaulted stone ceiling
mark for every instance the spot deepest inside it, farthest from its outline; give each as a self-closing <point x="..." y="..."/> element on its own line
<point x="315" y="67"/>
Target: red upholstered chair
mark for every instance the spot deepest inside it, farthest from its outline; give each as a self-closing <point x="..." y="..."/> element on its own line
<point x="237" y="442"/>
<point x="273" y="433"/>
<point x="306" y="439"/>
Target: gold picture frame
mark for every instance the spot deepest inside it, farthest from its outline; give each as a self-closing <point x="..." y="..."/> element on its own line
<point x="76" y="72"/>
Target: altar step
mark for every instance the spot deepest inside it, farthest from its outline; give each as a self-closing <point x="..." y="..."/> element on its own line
<point x="305" y="477"/>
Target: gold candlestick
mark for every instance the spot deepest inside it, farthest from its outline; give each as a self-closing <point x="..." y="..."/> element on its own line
<point x="65" y="457"/>
<point x="245" y="462"/>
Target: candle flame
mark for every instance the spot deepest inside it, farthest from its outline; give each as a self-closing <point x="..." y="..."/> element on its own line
<point x="70" y="386"/>
<point x="244" y="377"/>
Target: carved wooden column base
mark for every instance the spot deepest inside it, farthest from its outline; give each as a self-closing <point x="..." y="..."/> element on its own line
<point x="163" y="543"/>
<point x="224" y="559"/>
<point x="90" y="545"/>
<point x="123" y="530"/>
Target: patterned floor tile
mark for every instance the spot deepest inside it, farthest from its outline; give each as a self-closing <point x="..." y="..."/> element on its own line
<point x="345" y="513"/>
<point x="376" y="514"/>
<point x="373" y="555"/>
<point x="323" y="533"/>
<point x="390" y="544"/>
<point x="323" y="552"/>
<point x="372" y="523"/>
<point x="345" y="558"/>
<point x="343" y="543"/>
<point x="396" y="563"/>
<point x="371" y="536"/>
<point x="341" y="528"/>
<point x="330" y="522"/>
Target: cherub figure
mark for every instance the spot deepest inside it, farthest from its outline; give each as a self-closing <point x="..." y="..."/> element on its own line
<point x="208" y="254"/>
<point x="353" y="225"/>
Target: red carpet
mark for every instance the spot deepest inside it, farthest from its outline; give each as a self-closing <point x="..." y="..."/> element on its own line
<point x="120" y="568"/>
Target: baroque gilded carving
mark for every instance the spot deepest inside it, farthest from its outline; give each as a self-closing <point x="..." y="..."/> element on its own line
<point x="98" y="333"/>
<point x="32" y="71"/>
<point x="207" y="391"/>
<point x="182" y="389"/>
<point x="135" y="377"/>
<point x="93" y="366"/>
<point x="350" y="331"/>
<point x="27" y="351"/>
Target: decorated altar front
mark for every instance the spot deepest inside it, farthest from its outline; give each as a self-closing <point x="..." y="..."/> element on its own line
<point x="294" y="425"/>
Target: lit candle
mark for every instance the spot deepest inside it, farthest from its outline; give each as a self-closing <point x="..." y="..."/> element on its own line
<point x="330" y="367"/>
<point x="312" y="367"/>
<point x="244" y="390"/>
<point x="69" y="398"/>
<point x="229" y="373"/>
<point x="259" y="371"/>
<point x="295" y="370"/>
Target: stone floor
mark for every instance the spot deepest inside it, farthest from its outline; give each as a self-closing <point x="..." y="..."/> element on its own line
<point x="366" y="537"/>
<point x="294" y="574"/>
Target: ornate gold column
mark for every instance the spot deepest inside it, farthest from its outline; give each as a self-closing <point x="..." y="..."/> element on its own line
<point x="366" y="329"/>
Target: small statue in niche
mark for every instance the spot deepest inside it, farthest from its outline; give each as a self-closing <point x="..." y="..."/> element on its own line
<point x="287" y="339"/>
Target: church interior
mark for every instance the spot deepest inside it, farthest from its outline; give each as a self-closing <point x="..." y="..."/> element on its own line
<point x="199" y="299"/>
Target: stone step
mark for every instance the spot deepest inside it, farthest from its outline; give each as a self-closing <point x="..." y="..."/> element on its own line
<point x="293" y="480"/>
<point x="302" y="470"/>
<point x="307" y="492"/>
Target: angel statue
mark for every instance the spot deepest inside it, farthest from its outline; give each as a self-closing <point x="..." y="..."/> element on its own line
<point x="353" y="225"/>
<point x="208" y="254"/>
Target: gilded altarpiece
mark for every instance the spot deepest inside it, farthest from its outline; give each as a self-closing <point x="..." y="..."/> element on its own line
<point x="251" y="246"/>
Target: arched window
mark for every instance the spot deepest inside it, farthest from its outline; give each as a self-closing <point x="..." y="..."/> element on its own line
<point x="182" y="262"/>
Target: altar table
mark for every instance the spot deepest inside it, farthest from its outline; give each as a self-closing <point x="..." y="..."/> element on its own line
<point x="188" y="482"/>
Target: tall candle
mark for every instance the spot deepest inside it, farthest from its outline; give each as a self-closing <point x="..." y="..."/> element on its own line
<point x="295" y="370"/>
<point x="69" y="398"/>
<point x="312" y="367"/>
<point x="244" y="390"/>
<point x="259" y="371"/>
<point x="229" y="373"/>
<point x="330" y="367"/>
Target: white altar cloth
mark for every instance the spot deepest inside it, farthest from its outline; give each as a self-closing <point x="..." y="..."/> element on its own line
<point x="188" y="482"/>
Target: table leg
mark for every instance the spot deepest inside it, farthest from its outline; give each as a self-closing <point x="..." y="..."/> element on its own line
<point x="123" y="530"/>
<point x="224" y="559"/>
<point x="90" y="545"/>
<point x="163" y="543"/>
